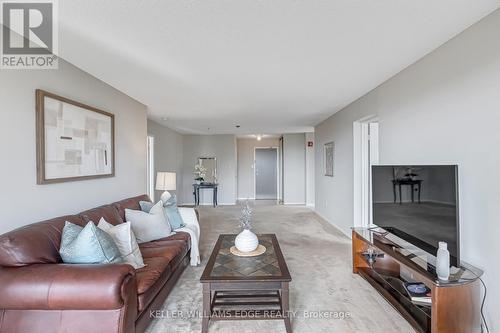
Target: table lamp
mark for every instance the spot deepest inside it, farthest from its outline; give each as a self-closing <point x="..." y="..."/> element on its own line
<point x="165" y="181"/>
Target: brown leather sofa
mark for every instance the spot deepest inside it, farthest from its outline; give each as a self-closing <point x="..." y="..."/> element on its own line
<point x="38" y="293"/>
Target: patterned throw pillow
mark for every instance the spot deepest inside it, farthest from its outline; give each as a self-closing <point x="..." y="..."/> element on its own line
<point x="169" y="209"/>
<point x="88" y="245"/>
<point x="125" y="241"/>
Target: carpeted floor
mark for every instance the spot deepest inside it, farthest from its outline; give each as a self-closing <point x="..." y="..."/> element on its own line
<point x="319" y="259"/>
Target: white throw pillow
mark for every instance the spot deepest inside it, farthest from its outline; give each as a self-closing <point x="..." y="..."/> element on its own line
<point x="150" y="226"/>
<point x="125" y="240"/>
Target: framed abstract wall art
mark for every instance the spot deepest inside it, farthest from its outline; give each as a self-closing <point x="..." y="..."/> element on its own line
<point x="74" y="141"/>
<point x="328" y="158"/>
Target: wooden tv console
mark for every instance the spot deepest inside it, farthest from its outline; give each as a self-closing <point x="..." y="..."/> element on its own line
<point x="456" y="304"/>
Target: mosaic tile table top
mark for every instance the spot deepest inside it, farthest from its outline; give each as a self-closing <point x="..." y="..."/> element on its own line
<point x="223" y="265"/>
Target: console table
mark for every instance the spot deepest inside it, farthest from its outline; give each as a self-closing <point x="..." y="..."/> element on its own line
<point x="408" y="182"/>
<point x="196" y="192"/>
<point x="456" y="303"/>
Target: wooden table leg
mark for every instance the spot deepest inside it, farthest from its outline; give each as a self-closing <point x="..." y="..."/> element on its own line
<point x="207" y="311"/>
<point x="400" y="198"/>
<point x="285" y="306"/>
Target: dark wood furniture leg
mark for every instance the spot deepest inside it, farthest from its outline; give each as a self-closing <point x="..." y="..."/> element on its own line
<point x="285" y="306"/>
<point x="419" y="190"/>
<point x="207" y="311"/>
<point x="394" y="191"/>
<point x="197" y="196"/>
<point x="412" y="193"/>
<point x="214" y="193"/>
<point x="400" y="197"/>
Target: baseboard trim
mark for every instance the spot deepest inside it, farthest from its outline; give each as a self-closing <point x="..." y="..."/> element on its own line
<point x="332" y="224"/>
<point x="415" y="201"/>
<point x="209" y="204"/>
<point x="295" y="203"/>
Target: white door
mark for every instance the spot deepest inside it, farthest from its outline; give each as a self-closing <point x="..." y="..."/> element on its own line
<point x="266" y="173"/>
<point x="372" y="160"/>
<point x="366" y="154"/>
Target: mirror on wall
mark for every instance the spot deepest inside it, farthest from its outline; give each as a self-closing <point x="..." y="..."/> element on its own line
<point x="210" y="165"/>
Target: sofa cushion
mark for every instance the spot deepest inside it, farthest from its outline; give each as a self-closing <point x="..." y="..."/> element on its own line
<point x="167" y="252"/>
<point x="108" y="212"/>
<point x="36" y="243"/>
<point x="174" y="251"/>
<point x="179" y="235"/>
<point x="130" y="203"/>
<point x="150" y="279"/>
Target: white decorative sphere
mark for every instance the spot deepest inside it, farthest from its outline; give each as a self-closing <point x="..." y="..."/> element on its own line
<point x="246" y="241"/>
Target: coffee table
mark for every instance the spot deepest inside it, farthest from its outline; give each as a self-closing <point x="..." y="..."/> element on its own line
<point x="246" y="288"/>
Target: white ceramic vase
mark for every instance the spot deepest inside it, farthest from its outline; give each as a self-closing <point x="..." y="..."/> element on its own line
<point x="443" y="262"/>
<point x="246" y="241"/>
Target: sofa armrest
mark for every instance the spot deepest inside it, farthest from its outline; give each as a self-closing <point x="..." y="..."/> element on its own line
<point x="66" y="287"/>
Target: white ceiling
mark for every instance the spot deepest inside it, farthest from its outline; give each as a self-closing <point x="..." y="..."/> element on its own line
<point x="270" y="66"/>
<point x="255" y="136"/>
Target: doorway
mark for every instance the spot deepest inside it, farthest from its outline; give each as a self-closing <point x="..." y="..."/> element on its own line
<point x="151" y="167"/>
<point x="366" y="154"/>
<point x="281" y="179"/>
<point x="266" y="173"/>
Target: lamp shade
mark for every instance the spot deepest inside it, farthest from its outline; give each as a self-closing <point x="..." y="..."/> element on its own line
<point x="165" y="181"/>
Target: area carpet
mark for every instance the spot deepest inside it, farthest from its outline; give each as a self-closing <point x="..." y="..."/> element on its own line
<point x="324" y="294"/>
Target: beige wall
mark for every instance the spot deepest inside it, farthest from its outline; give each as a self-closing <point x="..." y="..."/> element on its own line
<point x="442" y="110"/>
<point x="167" y="153"/>
<point x="223" y="147"/>
<point x="294" y="169"/>
<point x="310" y="181"/>
<point x="246" y="164"/>
<point x="22" y="201"/>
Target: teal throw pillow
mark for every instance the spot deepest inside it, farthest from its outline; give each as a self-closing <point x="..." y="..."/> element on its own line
<point x="171" y="210"/>
<point x="88" y="245"/>
<point x="146" y="206"/>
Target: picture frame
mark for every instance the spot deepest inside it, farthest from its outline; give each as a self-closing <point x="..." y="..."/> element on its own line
<point x="329" y="151"/>
<point x="74" y="141"/>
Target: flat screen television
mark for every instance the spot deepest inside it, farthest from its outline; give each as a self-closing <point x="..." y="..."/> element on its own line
<point x="419" y="204"/>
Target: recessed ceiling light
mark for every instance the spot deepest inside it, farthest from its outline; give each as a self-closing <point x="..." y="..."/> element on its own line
<point x="259" y="137"/>
<point x="164" y="118"/>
